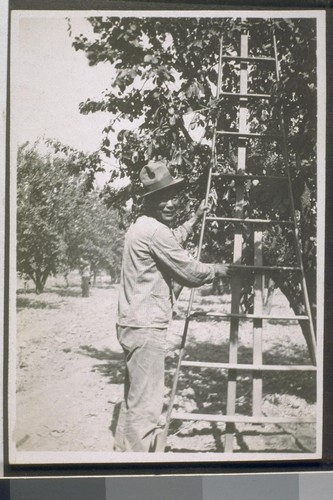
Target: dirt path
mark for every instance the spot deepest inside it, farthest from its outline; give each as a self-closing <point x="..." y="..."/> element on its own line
<point x="65" y="399"/>
<point x="70" y="375"/>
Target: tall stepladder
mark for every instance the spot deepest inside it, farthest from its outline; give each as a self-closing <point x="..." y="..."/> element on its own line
<point x="243" y="136"/>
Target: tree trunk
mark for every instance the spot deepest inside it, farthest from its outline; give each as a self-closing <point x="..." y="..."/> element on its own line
<point x="85" y="284"/>
<point x="37" y="279"/>
<point x="39" y="285"/>
<point x="66" y="279"/>
<point x="40" y="279"/>
<point x="295" y="298"/>
<point x="269" y="296"/>
<point x="112" y="275"/>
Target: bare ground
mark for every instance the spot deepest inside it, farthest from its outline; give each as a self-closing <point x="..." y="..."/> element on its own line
<point x="69" y="374"/>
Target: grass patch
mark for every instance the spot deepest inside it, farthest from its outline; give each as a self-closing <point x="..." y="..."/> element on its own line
<point x="30" y="303"/>
<point x="67" y="292"/>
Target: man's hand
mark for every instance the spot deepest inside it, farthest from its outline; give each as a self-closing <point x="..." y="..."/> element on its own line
<point x="223" y="270"/>
<point x="201" y="210"/>
<point x="195" y="219"/>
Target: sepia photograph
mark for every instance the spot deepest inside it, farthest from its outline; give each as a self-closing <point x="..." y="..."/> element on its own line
<point x="166" y="236"/>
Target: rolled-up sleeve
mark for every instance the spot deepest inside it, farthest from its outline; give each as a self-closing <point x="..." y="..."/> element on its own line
<point x="187" y="272"/>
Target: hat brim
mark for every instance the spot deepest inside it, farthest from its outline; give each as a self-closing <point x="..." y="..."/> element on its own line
<point x="175" y="182"/>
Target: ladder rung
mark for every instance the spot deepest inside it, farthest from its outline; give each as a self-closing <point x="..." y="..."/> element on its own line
<point x="249" y="135"/>
<point x="248" y="59"/>
<point x="242" y="419"/>
<point x="249" y="316"/>
<point x="245" y="177"/>
<point x="248" y="367"/>
<point x="264" y="268"/>
<point x="237" y="95"/>
<point x="250" y="221"/>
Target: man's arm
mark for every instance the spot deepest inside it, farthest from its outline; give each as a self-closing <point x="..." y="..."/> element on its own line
<point x="181" y="267"/>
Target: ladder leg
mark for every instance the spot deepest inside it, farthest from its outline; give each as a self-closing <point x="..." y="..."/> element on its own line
<point x="238" y="250"/>
<point x="257" y="325"/>
<point x="311" y="340"/>
<point x="233" y="355"/>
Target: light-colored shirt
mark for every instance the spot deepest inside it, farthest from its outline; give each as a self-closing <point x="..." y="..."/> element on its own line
<point x="152" y="259"/>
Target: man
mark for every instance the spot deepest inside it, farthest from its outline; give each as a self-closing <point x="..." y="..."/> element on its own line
<point x="153" y="259"/>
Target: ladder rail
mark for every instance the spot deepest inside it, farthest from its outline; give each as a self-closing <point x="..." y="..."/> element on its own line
<point x="236" y="285"/>
<point x="312" y="340"/>
<point x="257" y="351"/>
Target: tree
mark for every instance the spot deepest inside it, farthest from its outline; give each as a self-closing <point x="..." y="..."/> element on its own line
<point x="94" y="236"/>
<point x="51" y="178"/>
<point x="166" y="70"/>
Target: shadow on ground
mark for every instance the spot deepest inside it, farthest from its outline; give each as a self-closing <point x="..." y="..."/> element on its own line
<point x="113" y="368"/>
<point x="204" y="390"/>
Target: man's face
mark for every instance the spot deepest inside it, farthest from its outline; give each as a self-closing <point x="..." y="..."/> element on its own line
<point x="165" y="205"/>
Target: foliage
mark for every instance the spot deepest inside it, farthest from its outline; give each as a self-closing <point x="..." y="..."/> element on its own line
<point x="55" y="225"/>
<point x="94" y="236"/>
<point x="166" y="76"/>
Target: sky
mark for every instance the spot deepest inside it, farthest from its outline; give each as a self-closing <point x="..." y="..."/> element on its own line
<point x="49" y="79"/>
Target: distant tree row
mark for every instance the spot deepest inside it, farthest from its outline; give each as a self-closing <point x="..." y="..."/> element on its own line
<point x="61" y="220"/>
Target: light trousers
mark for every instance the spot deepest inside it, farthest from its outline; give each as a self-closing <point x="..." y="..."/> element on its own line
<point x="144" y="350"/>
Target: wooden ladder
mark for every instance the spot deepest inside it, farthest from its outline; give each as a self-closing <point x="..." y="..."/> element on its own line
<point x="258" y="269"/>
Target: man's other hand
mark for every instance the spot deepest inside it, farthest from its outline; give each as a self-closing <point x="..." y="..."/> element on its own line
<point x="223" y="270"/>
